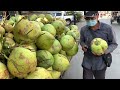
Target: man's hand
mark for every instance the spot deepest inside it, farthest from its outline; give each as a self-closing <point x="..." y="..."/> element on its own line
<point x="84" y="48"/>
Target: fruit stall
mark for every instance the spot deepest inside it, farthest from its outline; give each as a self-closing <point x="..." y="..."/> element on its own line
<point x="36" y="46"/>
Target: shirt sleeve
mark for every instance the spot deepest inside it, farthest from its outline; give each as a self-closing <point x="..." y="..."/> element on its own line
<point x="112" y="43"/>
<point x="82" y="38"/>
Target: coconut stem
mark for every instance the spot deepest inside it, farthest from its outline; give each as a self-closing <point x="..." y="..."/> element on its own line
<point x="97" y="42"/>
<point x="5" y="56"/>
<point x="20" y="20"/>
<point x="29" y="32"/>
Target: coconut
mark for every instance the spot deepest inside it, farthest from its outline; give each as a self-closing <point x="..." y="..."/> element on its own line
<point x="73" y="51"/>
<point x="39" y="73"/>
<point x="73" y="27"/>
<point x="59" y="26"/>
<point x="18" y="18"/>
<point x="49" y="28"/>
<point x="8" y="27"/>
<point x="41" y="16"/>
<point x="21" y="62"/>
<point x="55" y="74"/>
<point x="74" y="33"/>
<point x="45" y="59"/>
<point x="11" y="22"/>
<point x="61" y="63"/>
<point x="49" y="17"/>
<point x="9" y="35"/>
<point x="26" y="31"/>
<point x="31" y="46"/>
<point x="66" y="29"/>
<point x="2" y="30"/>
<point x="63" y="52"/>
<point x="0" y="47"/>
<point x="55" y="48"/>
<point x="41" y="24"/>
<point x="12" y="18"/>
<point x="44" y="20"/>
<point x="63" y="20"/>
<point x="67" y="42"/>
<point x="98" y="46"/>
<point x="4" y="74"/>
<point x="45" y="40"/>
<point x="9" y="43"/>
<point x="33" y="17"/>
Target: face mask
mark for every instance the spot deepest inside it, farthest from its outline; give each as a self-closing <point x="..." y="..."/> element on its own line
<point x="91" y="22"/>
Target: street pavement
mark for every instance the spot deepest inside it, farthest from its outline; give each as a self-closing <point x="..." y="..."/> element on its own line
<point x="75" y="71"/>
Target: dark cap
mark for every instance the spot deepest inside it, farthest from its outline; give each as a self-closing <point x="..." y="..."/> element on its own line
<point x="90" y="13"/>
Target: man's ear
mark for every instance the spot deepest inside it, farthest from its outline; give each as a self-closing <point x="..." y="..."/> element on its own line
<point x="97" y="16"/>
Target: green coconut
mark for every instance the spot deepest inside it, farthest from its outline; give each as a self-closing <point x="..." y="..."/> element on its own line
<point x="9" y="43"/>
<point x="41" y="24"/>
<point x="12" y="18"/>
<point x="8" y="27"/>
<point x="21" y="62"/>
<point x="2" y="30"/>
<point x="9" y="35"/>
<point x="49" y="28"/>
<point x="45" y="59"/>
<point x="0" y="47"/>
<point x="44" y="20"/>
<point x="31" y="46"/>
<point x="59" y="26"/>
<point x="33" y="17"/>
<point x="27" y="31"/>
<point x="55" y="74"/>
<point x="63" y="52"/>
<point x="73" y="27"/>
<point x="45" y="40"/>
<point x="74" y="33"/>
<point x="18" y="18"/>
<point x="10" y="21"/>
<point x="4" y="74"/>
<point x="49" y="17"/>
<point x="73" y="51"/>
<point x="67" y="42"/>
<point x="55" y="48"/>
<point x="98" y="46"/>
<point x="58" y="37"/>
<point x="41" y="16"/>
<point x="39" y="73"/>
<point x="61" y="63"/>
<point x="66" y="29"/>
<point x="38" y="19"/>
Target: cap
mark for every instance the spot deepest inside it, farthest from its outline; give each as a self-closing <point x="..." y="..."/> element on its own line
<point x="90" y="13"/>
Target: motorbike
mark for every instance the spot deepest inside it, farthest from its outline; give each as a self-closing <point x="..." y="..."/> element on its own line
<point x="115" y="17"/>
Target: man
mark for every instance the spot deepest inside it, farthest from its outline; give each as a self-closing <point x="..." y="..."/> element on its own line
<point x="94" y="65"/>
<point x="6" y="15"/>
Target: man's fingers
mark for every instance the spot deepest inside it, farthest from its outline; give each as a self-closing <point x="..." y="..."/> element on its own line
<point x="84" y="49"/>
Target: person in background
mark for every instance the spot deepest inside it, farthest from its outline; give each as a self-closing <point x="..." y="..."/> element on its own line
<point x="74" y="18"/>
<point x="6" y="15"/>
<point x="93" y="65"/>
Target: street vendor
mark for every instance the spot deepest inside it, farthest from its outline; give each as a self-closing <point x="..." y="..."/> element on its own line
<point x="94" y="65"/>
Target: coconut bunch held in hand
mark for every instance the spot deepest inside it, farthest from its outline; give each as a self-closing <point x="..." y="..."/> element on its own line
<point x="98" y="46"/>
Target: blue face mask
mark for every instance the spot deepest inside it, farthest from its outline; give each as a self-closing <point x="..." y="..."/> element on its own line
<point x="91" y="22"/>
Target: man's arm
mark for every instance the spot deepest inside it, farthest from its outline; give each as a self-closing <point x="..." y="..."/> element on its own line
<point x="112" y="41"/>
<point x="82" y="40"/>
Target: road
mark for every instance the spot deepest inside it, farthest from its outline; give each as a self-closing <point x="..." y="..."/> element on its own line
<point x="113" y="72"/>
